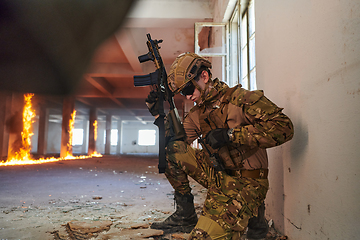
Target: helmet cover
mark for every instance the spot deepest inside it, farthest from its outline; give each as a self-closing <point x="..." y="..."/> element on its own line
<point x="184" y="69"/>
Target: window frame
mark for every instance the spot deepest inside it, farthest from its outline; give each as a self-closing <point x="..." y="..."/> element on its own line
<point x="244" y="74"/>
<point x="225" y="40"/>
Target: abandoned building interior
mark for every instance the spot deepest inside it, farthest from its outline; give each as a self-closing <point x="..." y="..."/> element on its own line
<point x="305" y="56"/>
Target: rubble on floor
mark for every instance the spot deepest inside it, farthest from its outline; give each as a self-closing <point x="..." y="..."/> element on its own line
<point x="97" y="199"/>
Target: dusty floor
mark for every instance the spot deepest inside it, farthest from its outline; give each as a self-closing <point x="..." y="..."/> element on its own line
<point x="57" y="200"/>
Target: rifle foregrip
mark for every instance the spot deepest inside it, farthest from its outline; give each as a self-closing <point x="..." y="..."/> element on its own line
<point x="162" y="144"/>
<point x="176" y="124"/>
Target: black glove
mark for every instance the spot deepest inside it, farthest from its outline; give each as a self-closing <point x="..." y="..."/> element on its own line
<point x="217" y="138"/>
<point x="152" y="102"/>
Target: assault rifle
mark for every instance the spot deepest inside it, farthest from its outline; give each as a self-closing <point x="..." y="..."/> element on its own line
<point x="158" y="81"/>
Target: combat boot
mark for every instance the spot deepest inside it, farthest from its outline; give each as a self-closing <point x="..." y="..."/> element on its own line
<point x="183" y="219"/>
<point x="258" y="226"/>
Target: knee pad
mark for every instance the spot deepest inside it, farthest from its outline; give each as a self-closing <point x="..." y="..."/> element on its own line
<point x="208" y="229"/>
<point x="176" y="147"/>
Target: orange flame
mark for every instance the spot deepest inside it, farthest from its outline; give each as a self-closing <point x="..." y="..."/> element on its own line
<point x="28" y="115"/>
<point x="23" y="157"/>
<point x="95" y="154"/>
<point x="71" y="129"/>
<point x="95" y="129"/>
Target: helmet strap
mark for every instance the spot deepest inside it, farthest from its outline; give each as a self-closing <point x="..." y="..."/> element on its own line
<point x="202" y="91"/>
<point x="196" y="85"/>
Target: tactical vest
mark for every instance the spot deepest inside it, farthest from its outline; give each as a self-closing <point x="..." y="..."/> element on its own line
<point x="212" y="117"/>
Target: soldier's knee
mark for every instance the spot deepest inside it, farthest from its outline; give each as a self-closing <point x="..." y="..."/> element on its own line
<point x="199" y="234"/>
<point x="208" y="229"/>
<point x="176" y="147"/>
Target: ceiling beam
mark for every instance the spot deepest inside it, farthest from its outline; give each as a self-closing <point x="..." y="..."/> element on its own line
<point x="118" y="70"/>
<point x="120" y="92"/>
<point x="111" y="70"/>
<point x="132" y="92"/>
<point x="160" y="9"/>
<point x="104" y="86"/>
<point x="125" y="43"/>
<point x="84" y="101"/>
<point x="164" y="23"/>
<point x="101" y="84"/>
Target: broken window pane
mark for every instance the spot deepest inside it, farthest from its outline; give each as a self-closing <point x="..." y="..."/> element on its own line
<point x="211" y="39"/>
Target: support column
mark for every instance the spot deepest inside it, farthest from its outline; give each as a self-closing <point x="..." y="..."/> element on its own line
<point x="118" y="147"/>
<point x="85" y="136"/>
<point x="43" y="128"/>
<point x="68" y="108"/>
<point x="108" y="134"/>
<point x="92" y="141"/>
<point x="5" y="109"/>
<point x="15" y="124"/>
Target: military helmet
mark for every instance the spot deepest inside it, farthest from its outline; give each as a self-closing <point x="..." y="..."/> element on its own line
<point x="184" y="69"/>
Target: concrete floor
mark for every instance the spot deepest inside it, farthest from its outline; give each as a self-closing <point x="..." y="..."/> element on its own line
<point x="40" y="201"/>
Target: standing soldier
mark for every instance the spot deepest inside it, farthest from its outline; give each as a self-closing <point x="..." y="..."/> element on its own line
<point x="234" y="126"/>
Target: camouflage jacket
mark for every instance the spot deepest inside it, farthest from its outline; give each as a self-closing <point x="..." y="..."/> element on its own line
<point x="257" y="122"/>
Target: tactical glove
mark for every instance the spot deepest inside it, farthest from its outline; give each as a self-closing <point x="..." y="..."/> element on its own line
<point x="217" y="138"/>
<point x="152" y="102"/>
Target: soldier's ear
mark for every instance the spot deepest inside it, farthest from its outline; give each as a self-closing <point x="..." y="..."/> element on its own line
<point x="205" y="76"/>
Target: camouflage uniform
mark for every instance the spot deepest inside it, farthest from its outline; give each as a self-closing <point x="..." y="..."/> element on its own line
<point x="232" y="199"/>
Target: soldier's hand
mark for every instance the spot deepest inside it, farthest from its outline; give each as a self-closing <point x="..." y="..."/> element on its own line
<point x="217" y="138"/>
<point x="152" y="102"/>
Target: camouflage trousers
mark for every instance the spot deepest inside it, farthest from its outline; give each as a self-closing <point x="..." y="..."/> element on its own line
<point x="231" y="201"/>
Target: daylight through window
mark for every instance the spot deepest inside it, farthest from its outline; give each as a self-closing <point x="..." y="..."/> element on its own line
<point x="78" y="136"/>
<point x="147" y="137"/>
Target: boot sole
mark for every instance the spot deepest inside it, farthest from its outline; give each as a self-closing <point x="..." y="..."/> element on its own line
<point x="182" y="229"/>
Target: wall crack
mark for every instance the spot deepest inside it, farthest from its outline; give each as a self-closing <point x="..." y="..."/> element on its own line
<point x="299" y="228"/>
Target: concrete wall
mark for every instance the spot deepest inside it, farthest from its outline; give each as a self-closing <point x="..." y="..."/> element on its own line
<point x="100" y="141"/>
<point x="5" y="100"/>
<point x="308" y="61"/>
<point x="54" y="137"/>
<point x="84" y="125"/>
<point x="129" y="138"/>
<point x="35" y="137"/>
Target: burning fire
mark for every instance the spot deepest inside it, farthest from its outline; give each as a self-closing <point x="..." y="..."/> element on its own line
<point x="95" y="154"/>
<point x="23" y="157"/>
<point x="95" y="129"/>
<point x="28" y="116"/>
<point x="71" y="128"/>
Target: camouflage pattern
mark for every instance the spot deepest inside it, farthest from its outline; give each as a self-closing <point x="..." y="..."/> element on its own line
<point x="258" y="124"/>
<point x="231" y="201"/>
<point x="270" y="126"/>
<point x="257" y="121"/>
<point x="180" y="71"/>
<point x="199" y="234"/>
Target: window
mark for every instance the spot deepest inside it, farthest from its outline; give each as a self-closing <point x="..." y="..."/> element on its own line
<point x="242" y="63"/>
<point x="248" y="61"/>
<point x="234" y="48"/>
<point x="147" y="137"/>
<point x="78" y="136"/>
<point x="113" y="137"/>
<point x="210" y="43"/>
